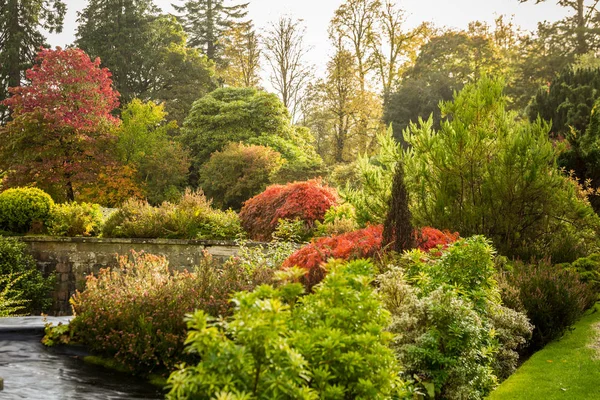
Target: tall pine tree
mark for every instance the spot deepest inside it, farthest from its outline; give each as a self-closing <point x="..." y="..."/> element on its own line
<point x="21" y="22"/>
<point x="207" y="21"/>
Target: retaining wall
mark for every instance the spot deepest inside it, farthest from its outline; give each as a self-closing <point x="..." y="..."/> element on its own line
<point x="74" y="258"/>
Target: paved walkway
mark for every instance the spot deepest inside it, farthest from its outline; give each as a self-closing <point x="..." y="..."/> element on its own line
<point x="29" y="324"/>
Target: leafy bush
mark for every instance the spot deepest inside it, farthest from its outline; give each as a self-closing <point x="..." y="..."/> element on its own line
<point x="20" y="208"/>
<point x="135" y="313"/>
<point x="553" y="297"/>
<point x="237" y="173"/>
<point x="362" y="243"/>
<point x="452" y="331"/>
<point x="295" y="231"/>
<point x="75" y="219"/>
<point x="307" y="201"/>
<point x="34" y="289"/>
<point x="329" y="344"/>
<point x="191" y="218"/>
<point x="337" y="220"/>
<point x="588" y="269"/>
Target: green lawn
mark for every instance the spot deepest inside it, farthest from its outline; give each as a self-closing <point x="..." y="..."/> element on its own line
<point x="565" y="369"/>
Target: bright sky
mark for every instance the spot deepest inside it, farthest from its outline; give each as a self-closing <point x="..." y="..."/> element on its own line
<point x="317" y="14"/>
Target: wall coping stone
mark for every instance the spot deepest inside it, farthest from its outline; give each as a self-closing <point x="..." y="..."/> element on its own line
<point x="82" y="239"/>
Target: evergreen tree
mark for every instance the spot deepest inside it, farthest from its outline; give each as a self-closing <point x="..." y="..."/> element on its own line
<point x="398" y="230"/>
<point x="118" y="32"/>
<point x="207" y="21"/>
<point x="146" y="53"/>
<point x="20" y="37"/>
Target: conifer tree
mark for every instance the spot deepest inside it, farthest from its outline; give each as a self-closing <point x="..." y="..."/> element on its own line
<point x="207" y="21"/>
<point x="21" y="22"/>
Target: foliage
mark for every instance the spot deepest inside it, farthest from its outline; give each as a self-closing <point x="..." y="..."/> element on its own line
<point x="337" y="220"/>
<point x="161" y="164"/>
<point x="488" y="172"/>
<point x="307" y="201"/>
<point x="22" y="208"/>
<point x="295" y="231"/>
<point x="279" y="345"/>
<point x="190" y="218"/>
<point x="135" y="312"/>
<point x="570" y="365"/>
<point x="11" y="302"/>
<point x="268" y="256"/>
<point x="240" y="66"/>
<point x="75" y="219"/>
<point x="23" y="282"/>
<point x="553" y="297"/>
<point x="237" y="173"/>
<point x="61" y="124"/>
<point x="21" y="27"/>
<point x="588" y="269"/>
<point x="372" y="197"/>
<point x="452" y="331"/>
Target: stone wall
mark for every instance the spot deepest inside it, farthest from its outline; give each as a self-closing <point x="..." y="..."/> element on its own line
<point x="74" y="258"/>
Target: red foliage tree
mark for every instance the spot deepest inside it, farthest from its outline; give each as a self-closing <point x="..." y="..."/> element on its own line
<point x="363" y="243"/>
<point x="307" y="201"/>
<point x="60" y="134"/>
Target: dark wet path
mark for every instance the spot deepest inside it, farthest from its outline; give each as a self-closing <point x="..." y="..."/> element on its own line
<point x="32" y="371"/>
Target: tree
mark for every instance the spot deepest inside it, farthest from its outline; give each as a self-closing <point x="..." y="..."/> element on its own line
<point x="397" y="229"/>
<point x="485" y="171"/>
<point x="237" y="173"/>
<point x="579" y="32"/>
<point x="250" y="116"/>
<point x="392" y="46"/>
<point x="354" y="24"/>
<point x="241" y="57"/>
<point x="444" y="65"/>
<point x="143" y="143"/>
<point x="206" y="21"/>
<point x="21" y="22"/>
<point x="62" y="124"/>
<point x="285" y="52"/>
<point x="146" y="52"/>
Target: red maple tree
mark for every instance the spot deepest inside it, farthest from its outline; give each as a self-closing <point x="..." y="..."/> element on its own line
<point x="60" y="134"/>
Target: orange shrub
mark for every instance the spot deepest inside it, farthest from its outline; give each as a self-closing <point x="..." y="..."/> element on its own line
<point x="307" y="201"/>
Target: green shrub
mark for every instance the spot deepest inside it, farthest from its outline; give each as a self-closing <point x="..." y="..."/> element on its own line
<point x="452" y="330"/>
<point x="292" y="230"/>
<point x="553" y="297"/>
<point x="588" y="269"/>
<point x="34" y="288"/>
<point x="21" y="208"/>
<point x="75" y="219"/>
<point x="135" y="313"/>
<point x="337" y="220"/>
<point x="329" y="344"/>
<point x="191" y="218"/>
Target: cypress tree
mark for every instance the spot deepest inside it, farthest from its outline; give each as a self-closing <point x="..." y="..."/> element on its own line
<point x="398" y="229"/>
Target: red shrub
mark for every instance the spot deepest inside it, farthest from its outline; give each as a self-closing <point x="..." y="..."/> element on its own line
<point x="307" y="201"/>
<point x="429" y="238"/>
<point x="363" y="243"/>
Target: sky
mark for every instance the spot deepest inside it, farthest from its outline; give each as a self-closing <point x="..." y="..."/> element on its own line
<point x="316" y="15"/>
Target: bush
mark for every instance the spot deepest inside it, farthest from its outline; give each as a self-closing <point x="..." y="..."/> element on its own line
<point x="337" y="220"/>
<point x="307" y="201"/>
<point x="362" y="243"/>
<point x="21" y="208"/>
<point x="34" y="289"/>
<point x="237" y="173"/>
<point x="329" y="344"/>
<point x="588" y="269"/>
<point x="135" y="313"/>
<point x="452" y="331"/>
<point x="75" y="219"/>
<point x="553" y="297"/>
<point x="11" y="302"/>
<point x="191" y="218"/>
